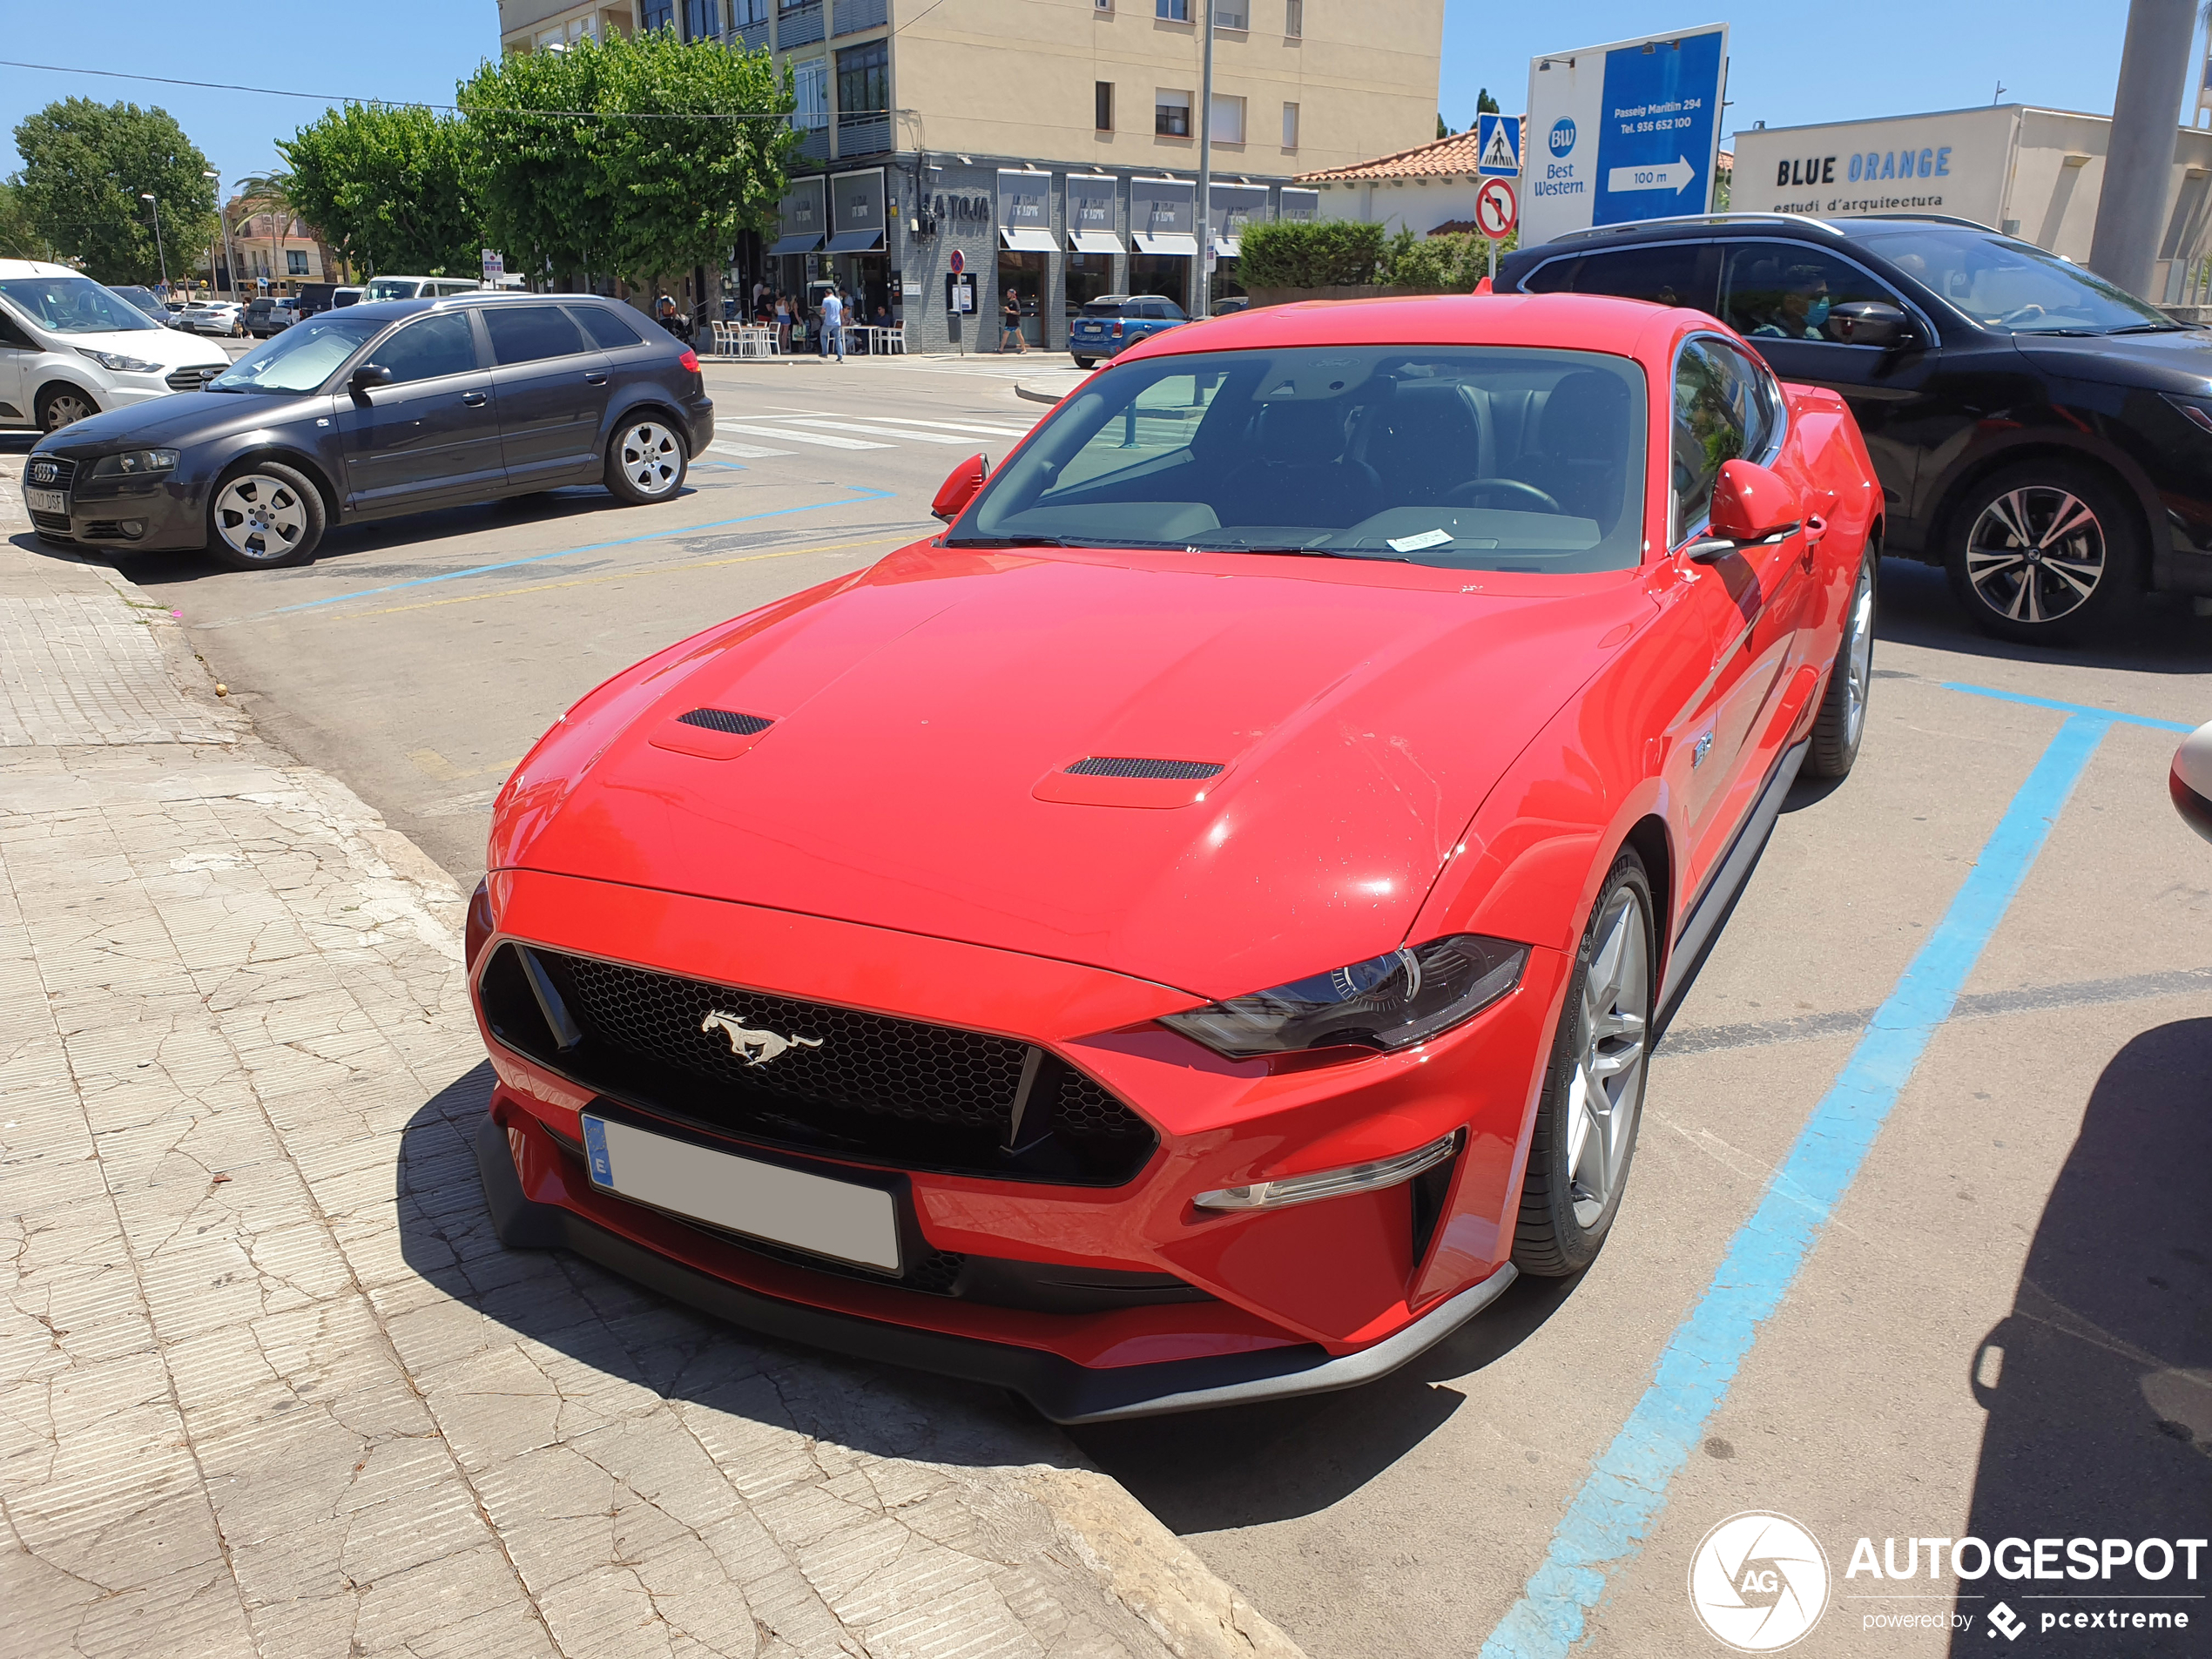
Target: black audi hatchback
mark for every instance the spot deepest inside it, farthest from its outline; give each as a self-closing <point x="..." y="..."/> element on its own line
<point x="376" y="410"/>
<point x="2043" y="436"/>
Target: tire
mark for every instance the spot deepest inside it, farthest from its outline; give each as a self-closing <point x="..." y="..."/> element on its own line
<point x="645" y="460"/>
<point x="2043" y="555"/>
<point x="59" y="406"/>
<point x="1571" y="1191"/>
<point x="264" y="515"/>
<point x="1084" y="362"/>
<point x="1841" y="720"/>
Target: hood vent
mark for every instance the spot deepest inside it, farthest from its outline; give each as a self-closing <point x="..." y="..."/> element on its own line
<point x="1127" y="766"/>
<point x="743" y="725"/>
<point x="712" y="734"/>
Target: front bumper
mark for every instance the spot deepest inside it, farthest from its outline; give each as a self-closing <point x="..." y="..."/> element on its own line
<point x="166" y="515"/>
<point x="1317" y="1296"/>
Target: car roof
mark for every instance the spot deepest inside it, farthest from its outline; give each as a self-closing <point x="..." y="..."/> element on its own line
<point x="1562" y="321"/>
<point x="1702" y="225"/>
<point x="11" y="268"/>
<point x="394" y="309"/>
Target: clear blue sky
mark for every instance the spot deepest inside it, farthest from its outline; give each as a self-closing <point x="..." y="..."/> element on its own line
<point x="1791" y="65"/>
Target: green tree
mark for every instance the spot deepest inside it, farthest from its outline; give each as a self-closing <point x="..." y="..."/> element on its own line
<point x="1484" y="104"/>
<point x="385" y="185"/>
<point x="1443" y="127"/>
<point x="85" y="168"/>
<point x="17" y="240"/>
<point x="1320" y="253"/>
<point x="637" y="156"/>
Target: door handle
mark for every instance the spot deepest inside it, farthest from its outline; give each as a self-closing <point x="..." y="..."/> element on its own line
<point x="593" y="377"/>
<point x="474" y="400"/>
<point x="1816" y="527"/>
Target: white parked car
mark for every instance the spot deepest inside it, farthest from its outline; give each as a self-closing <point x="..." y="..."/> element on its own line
<point x="212" y="317"/>
<point x="70" y="347"/>
<point x="416" y="288"/>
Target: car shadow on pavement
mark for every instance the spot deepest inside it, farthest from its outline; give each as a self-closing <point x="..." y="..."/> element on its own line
<point x="1244" y="1466"/>
<point x="2159" y="635"/>
<point x="2097" y="1385"/>
<point x="550" y="1299"/>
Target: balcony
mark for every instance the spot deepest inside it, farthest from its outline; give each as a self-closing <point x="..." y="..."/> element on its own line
<point x="865" y="134"/>
<point x="853" y="16"/>
<point x="752" y="36"/>
<point x="800" y="25"/>
<point x="814" y="144"/>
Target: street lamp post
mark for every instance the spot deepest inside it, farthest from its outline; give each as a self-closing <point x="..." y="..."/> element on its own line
<point x="147" y="195"/>
<point x="1204" y="216"/>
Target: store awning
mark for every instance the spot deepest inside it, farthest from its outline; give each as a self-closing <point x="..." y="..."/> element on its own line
<point x="1187" y="246"/>
<point x="856" y="242"/>
<point x="1227" y="247"/>
<point x="1027" y="241"/>
<point x="1094" y="242"/>
<point x="806" y="242"/>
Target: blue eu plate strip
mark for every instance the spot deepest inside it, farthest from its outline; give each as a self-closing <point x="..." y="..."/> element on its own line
<point x="1625" y="1489"/>
<point x="595" y="1153"/>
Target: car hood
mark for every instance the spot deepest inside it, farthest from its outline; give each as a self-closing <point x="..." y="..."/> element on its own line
<point x="926" y="712"/>
<point x="167" y="347"/>
<point x="178" y="419"/>
<point x="2181" y="362"/>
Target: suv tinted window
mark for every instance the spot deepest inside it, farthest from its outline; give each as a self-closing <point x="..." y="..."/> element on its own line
<point x="439" y="344"/>
<point x="1707" y="430"/>
<point x="605" y="328"/>
<point x="1783" y="290"/>
<point x="524" y="334"/>
<point x="1667" y="274"/>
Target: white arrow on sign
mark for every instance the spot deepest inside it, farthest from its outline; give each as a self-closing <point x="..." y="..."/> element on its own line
<point x="1673" y="175"/>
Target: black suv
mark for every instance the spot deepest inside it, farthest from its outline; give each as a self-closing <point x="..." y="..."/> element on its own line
<point x="375" y="410"/>
<point x="2043" y="436"/>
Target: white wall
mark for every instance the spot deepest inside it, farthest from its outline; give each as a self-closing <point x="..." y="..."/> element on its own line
<point x="1394" y="203"/>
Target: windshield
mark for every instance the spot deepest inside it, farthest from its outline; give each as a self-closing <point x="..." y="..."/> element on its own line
<point x="299" y="359"/>
<point x="392" y="288"/>
<point x="74" y="305"/>
<point x="1466" y="457"/>
<point x="2012" y="287"/>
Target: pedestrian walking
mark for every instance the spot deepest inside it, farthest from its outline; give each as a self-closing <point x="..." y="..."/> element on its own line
<point x="833" y="324"/>
<point x="783" y="323"/>
<point x="1010" y="324"/>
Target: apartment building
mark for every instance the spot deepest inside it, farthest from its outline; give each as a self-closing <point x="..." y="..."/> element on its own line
<point x="1052" y="143"/>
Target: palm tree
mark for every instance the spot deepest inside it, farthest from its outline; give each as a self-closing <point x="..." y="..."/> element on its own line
<point x="270" y="193"/>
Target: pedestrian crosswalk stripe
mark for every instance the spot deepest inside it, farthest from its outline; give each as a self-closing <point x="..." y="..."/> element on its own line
<point x="822" y="439"/>
<point x="745" y="451"/>
<point x="812" y="420"/>
<point x="954" y="426"/>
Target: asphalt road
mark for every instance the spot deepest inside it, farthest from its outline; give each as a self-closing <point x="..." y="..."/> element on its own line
<point x="1990" y="1267"/>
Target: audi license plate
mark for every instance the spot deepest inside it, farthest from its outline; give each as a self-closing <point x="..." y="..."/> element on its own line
<point x="46" y="500"/>
<point x="854" y="1224"/>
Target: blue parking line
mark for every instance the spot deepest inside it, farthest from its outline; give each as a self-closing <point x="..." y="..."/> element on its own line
<point x="1625" y="1489"/>
<point x="866" y="494"/>
<point x="2066" y="708"/>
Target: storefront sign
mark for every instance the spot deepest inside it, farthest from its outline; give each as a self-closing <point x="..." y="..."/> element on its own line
<point x="857" y="200"/>
<point x="1229" y="208"/>
<point x="1956" y="163"/>
<point x="1161" y="215"/>
<point x="1025" y="210"/>
<point x="1300" y="207"/>
<point x="803" y="218"/>
<point x="1091" y="213"/>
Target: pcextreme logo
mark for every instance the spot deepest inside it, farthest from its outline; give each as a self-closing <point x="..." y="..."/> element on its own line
<point x="1759" y="1581"/>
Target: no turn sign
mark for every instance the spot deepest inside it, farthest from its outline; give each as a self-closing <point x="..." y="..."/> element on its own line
<point x="1496" y="209"/>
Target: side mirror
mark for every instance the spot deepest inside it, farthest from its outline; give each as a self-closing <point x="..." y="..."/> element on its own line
<point x="959" y="489"/>
<point x="367" y="376"/>
<point x="1750" y="505"/>
<point x="1870" y="322"/>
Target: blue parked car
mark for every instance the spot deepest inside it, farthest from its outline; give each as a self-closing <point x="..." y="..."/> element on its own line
<point x="1115" y="321"/>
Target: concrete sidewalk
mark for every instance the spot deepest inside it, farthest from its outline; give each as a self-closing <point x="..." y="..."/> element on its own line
<point x="267" y="1384"/>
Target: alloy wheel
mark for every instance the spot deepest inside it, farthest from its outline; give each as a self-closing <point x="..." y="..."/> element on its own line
<point x="1606" y="1089"/>
<point x="651" y="458"/>
<point x="259" y="517"/>
<point x="1858" y="656"/>
<point x="2036" y="554"/>
<point x="64" y="407"/>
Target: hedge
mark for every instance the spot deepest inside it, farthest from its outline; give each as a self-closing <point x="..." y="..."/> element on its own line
<point x="1342" y="253"/>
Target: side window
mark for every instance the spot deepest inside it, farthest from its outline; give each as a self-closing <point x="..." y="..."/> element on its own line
<point x="1172" y="312"/>
<point x="10" y="334"/>
<point x="1753" y="394"/>
<point x="424" y="350"/>
<point x="1707" y="431"/>
<point x="607" y="330"/>
<point x="1784" y="291"/>
<point x="1667" y="274"/>
<point x="524" y="334"/>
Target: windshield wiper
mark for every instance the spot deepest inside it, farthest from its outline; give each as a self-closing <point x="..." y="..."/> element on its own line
<point x="2150" y="328"/>
<point x="1007" y="541"/>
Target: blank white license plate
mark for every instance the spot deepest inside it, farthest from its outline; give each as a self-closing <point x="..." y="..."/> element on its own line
<point x="47" y="501"/>
<point x="854" y="1224"/>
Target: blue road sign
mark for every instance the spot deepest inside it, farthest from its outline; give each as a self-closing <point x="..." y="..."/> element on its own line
<point x="1498" y="146"/>
<point x="1622" y="132"/>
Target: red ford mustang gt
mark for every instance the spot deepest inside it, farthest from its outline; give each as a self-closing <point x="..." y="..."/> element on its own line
<point x="1191" y="931"/>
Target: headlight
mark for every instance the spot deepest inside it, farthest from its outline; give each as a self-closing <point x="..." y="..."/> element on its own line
<point x="1385" y="1002"/>
<point x="119" y="363"/>
<point x="135" y="464"/>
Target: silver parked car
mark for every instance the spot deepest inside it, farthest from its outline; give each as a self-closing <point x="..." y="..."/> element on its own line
<point x="212" y="317"/>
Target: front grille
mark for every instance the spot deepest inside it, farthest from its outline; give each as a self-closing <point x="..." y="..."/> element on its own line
<point x="55" y="525"/>
<point x="742" y="726"/>
<point x="49" y="472"/>
<point x="1129" y="766"/>
<point x="816" y="1077"/>
<point x="191" y="380"/>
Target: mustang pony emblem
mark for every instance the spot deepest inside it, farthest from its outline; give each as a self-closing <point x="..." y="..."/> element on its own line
<point x="754" y="1047"/>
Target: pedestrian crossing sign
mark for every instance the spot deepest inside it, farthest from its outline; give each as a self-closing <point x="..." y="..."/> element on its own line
<point x="1498" y="146"/>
